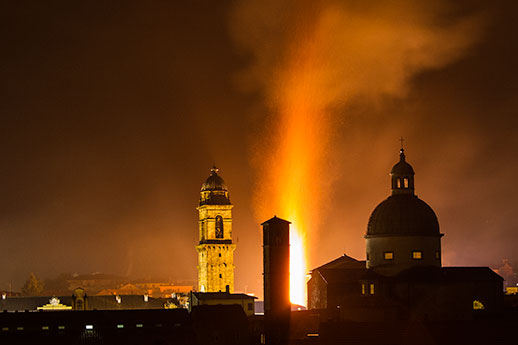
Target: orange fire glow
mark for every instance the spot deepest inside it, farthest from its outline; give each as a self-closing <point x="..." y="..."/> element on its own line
<point x="295" y="162"/>
<point x="317" y="57"/>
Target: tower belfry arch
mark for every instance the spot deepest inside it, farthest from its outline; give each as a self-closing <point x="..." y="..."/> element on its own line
<point x="215" y="248"/>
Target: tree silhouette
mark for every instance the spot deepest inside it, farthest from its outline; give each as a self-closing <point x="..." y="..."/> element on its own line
<point x="33" y="286"/>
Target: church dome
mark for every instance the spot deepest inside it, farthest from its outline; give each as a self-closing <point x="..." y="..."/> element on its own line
<point x="214" y="182"/>
<point x="403" y="214"/>
<point x="403" y="231"/>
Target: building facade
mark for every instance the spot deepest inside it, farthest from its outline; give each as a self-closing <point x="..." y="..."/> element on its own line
<point x="402" y="278"/>
<point x="215" y="248"/>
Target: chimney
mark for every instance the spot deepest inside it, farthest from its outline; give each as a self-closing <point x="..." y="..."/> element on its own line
<point x="276" y="257"/>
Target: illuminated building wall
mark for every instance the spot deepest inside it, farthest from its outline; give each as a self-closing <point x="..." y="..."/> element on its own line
<point x="215" y="248"/>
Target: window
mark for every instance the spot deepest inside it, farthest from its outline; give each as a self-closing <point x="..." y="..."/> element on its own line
<point x="437" y="255"/>
<point x="220" y="275"/>
<point x="417" y="255"/>
<point x="79" y="304"/>
<point x="363" y="289"/>
<point x="219" y="227"/>
<point x="371" y="288"/>
<point x="477" y="305"/>
<point x="219" y="254"/>
<point x="398" y="183"/>
<point x="250" y="307"/>
<point x="388" y="255"/>
<point x="368" y="257"/>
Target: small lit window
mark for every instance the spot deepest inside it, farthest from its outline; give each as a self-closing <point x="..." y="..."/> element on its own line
<point x="61" y="327"/>
<point x="5" y="329"/>
<point x="45" y="328"/>
<point x="89" y="327"/>
<point x="405" y="182"/>
<point x="398" y="183"/>
<point x="416" y="255"/>
<point x="477" y="305"/>
<point x="371" y="288"/>
<point x="120" y="326"/>
<point x="139" y="325"/>
<point x="437" y="255"/>
<point x="389" y="255"/>
<point x="363" y="289"/>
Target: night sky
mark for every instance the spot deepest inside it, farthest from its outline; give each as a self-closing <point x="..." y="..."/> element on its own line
<point x="112" y="114"/>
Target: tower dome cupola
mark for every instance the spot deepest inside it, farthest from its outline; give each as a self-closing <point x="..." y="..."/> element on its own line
<point x="213" y="190"/>
<point x="214" y="181"/>
<point x="402" y="176"/>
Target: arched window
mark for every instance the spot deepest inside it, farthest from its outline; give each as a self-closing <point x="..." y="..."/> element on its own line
<point x="219" y="227"/>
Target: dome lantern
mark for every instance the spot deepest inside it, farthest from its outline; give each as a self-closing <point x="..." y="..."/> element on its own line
<point x="402" y="176"/>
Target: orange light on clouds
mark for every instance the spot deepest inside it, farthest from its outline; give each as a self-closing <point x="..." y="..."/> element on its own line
<point x="317" y="57"/>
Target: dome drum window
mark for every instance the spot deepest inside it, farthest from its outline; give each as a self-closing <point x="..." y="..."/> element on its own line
<point x="417" y="255"/>
<point x="367" y="288"/>
<point x="388" y="255"/>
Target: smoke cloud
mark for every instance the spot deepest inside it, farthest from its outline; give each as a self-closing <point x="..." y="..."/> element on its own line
<point x="313" y="60"/>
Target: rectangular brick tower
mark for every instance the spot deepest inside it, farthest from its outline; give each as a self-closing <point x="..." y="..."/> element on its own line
<point x="276" y="257"/>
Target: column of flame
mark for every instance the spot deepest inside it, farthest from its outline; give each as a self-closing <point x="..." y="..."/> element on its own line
<point x="297" y="174"/>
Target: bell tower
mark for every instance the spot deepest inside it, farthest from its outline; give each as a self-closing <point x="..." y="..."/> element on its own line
<point x="215" y="248"/>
